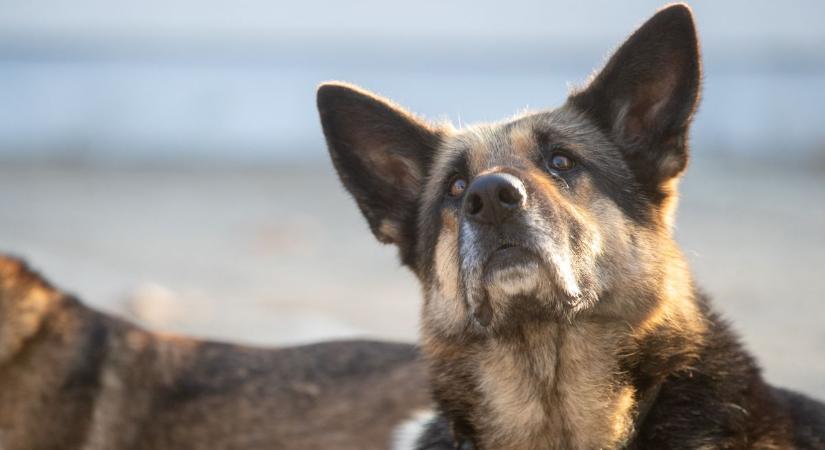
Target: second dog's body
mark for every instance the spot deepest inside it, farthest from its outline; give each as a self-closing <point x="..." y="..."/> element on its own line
<point x="73" y="378"/>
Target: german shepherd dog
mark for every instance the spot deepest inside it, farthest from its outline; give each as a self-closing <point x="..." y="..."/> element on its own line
<point x="73" y="378"/>
<point x="558" y="311"/>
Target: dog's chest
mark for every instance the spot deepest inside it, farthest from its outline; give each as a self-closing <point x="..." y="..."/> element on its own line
<point x="558" y="387"/>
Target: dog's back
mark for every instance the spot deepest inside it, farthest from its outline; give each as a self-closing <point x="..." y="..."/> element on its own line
<point x="75" y="378"/>
<point x="807" y="416"/>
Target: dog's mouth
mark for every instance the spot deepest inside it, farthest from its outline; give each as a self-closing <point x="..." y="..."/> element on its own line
<point x="521" y="267"/>
<point x="514" y="270"/>
<point x="510" y="256"/>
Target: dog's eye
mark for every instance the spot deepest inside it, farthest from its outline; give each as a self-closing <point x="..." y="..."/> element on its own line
<point x="457" y="186"/>
<point x="561" y="162"/>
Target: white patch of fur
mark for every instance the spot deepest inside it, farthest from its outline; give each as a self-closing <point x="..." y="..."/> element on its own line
<point x="156" y="305"/>
<point x="558" y="256"/>
<point x="563" y="264"/>
<point x="517" y="280"/>
<point x="471" y="267"/>
<point x="469" y="253"/>
<point x="406" y="435"/>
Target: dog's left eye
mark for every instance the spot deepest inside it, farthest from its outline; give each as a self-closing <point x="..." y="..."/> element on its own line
<point x="457" y="186"/>
<point x="561" y="162"/>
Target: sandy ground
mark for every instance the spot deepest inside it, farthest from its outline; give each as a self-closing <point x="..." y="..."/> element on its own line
<point x="280" y="256"/>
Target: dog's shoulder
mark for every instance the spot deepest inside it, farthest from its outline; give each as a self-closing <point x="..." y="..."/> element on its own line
<point x="722" y="398"/>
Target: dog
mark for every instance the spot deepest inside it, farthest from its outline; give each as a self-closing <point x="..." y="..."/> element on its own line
<point x="73" y="378"/>
<point x="559" y="312"/>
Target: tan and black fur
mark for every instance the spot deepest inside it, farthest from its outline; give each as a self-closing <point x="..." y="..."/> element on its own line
<point x="559" y="312"/>
<point x="73" y="378"/>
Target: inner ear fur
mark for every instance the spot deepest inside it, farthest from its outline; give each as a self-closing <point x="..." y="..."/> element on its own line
<point x="646" y="95"/>
<point x="382" y="154"/>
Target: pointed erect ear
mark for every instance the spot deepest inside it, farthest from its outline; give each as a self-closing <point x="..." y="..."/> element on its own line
<point x="382" y="154"/>
<point x="646" y="95"/>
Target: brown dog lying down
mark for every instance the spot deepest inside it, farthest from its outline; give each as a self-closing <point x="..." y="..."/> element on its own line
<point x="71" y="377"/>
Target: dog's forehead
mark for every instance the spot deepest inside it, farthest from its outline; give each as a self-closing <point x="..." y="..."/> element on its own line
<point x="490" y="145"/>
<point x="516" y="141"/>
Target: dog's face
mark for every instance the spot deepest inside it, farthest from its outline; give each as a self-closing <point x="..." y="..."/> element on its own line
<point x="543" y="217"/>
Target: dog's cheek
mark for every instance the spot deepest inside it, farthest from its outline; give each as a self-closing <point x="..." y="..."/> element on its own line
<point x="581" y="266"/>
<point x="622" y="262"/>
<point x="446" y="256"/>
<point x="603" y="243"/>
<point x="445" y="310"/>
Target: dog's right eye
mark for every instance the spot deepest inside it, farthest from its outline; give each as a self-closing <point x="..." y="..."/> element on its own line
<point x="561" y="162"/>
<point x="457" y="186"/>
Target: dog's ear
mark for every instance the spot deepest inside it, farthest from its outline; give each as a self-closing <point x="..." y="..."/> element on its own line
<point x="647" y="93"/>
<point x="381" y="153"/>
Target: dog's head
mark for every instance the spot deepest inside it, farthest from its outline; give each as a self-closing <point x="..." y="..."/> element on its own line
<point x="547" y="216"/>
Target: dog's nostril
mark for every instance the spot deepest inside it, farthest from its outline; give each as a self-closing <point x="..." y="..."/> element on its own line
<point x="474" y="204"/>
<point x="509" y="196"/>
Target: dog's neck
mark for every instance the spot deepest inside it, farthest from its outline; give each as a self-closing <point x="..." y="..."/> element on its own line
<point x="557" y="385"/>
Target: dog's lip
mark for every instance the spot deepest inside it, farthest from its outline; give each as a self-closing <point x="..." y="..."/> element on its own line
<point x="509" y="255"/>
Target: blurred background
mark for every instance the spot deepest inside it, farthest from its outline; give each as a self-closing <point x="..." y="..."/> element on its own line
<point x="163" y="159"/>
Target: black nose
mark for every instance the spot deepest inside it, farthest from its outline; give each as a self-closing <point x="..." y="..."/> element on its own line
<point x="493" y="198"/>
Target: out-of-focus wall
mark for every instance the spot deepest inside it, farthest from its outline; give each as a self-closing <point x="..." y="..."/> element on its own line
<point x="100" y="81"/>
